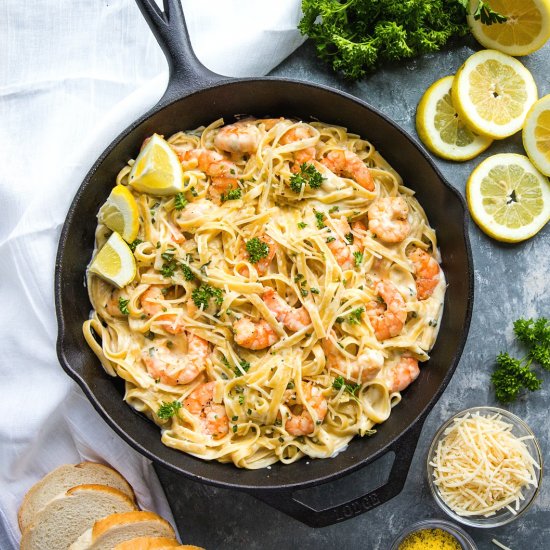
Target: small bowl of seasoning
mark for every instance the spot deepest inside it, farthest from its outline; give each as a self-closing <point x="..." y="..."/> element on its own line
<point x="484" y="467"/>
<point x="433" y="534"/>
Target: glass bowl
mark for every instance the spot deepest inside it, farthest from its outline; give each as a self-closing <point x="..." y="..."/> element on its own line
<point x="461" y="536"/>
<point x="504" y="515"/>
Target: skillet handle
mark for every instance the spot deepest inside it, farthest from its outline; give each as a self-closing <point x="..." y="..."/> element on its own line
<point x="187" y="73"/>
<point x="403" y="448"/>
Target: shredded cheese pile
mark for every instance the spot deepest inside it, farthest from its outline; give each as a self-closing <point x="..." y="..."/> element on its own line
<point x="480" y="466"/>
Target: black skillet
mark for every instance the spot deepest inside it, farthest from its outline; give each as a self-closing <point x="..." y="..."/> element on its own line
<point x="196" y="96"/>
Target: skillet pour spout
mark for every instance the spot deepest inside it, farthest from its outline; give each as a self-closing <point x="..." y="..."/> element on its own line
<point x="195" y="95"/>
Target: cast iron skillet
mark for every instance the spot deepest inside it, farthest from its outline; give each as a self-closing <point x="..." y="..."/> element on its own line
<point x="197" y="96"/>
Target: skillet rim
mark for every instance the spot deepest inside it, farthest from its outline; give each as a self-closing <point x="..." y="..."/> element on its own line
<point x="416" y="423"/>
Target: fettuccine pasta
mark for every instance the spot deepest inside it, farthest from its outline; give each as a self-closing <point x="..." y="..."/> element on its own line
<point x="283" y="300"/>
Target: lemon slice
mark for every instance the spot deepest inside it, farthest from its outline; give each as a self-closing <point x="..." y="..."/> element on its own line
<point x="440" y="127"/>
<point x="508" y="198"/>
<point x="115" y="262"/>
<point x="536" y="134"/>
<point x="157" y="170"/>
<point x="120" y="213"/>
<point x="492" y="93"/>
<point x="526" y="30"/>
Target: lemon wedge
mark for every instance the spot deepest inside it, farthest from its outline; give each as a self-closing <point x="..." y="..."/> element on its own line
<point x="440" y="127"/>
<point x="115" y="262"/>
<point x="536" y="134"/>
<point x="492" y="93"/>
<point x="157" y="170"/>
<point x="508" y="198"/>
<point x="526" y="29"/>
<point x="120" y="213"/>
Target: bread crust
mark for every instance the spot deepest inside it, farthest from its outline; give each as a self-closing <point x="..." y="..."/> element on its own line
<point x="89" y="471"/>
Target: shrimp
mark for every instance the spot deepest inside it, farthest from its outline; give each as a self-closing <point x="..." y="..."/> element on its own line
<point x="402" y="374"/>
<point x="302" y="155"/>
<point x="426" y="271"/>
<point x="254" y="335"/>
<point x="341" y="250"/>
<point x="195" y="212"/>
<point x="345" y="163"/>
<point x="151" y="305"/>
<point x="112" y="307"/>
<point x="171" y="366"/>
<point x="388" y="219"/>
<point x="365" y="367"/>
<point x="241" y="137"/>
<point x="223" y="172"/>
<point x="293" y="319"/>
<point x="301" y="422"/>
<point x="388" y="316"/>
<point x="213" y="416"/>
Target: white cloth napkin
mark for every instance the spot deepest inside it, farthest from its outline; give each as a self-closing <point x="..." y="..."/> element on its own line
<point x="73" y="74"/>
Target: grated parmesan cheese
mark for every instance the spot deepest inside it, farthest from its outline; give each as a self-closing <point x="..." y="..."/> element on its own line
<point x="480" y="466"/>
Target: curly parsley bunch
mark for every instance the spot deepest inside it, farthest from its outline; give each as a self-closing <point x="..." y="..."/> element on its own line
<point x="355" y="36"/>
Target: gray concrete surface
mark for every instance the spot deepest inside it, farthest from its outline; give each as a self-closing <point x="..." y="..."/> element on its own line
<point x="511" y="281"/>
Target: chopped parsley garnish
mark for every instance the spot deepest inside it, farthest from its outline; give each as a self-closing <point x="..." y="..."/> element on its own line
<point x="354" y="318"/>
<point x="302" y="225"/>
<point x="188" y="275"/>
<point x="134" y="243"/>
<point x="304" y="292"/>
<point x="330" y="239"/>
<point x="201" y="296"/>
<point x="180" y="202"/>
<point x="123" y="306"/>
<point x="241" y="400"/>
<point x="168" y="410"/>
<point x="170" y="264"/>
<point x="150" y="335"/>
<point x="232" y="195"/>
<point x="358" y="258"/>
<point x="314" y="290"/>
<point x="257" y="250"/>
<point x="349" y="238"/>
<point x="320" y="217"/>
<point x="308" y="175"/>
<point x="340" y="382"/>
<point x="334" y="209"/>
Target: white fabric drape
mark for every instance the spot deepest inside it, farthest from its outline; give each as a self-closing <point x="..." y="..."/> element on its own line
<point x="73" y="74"/>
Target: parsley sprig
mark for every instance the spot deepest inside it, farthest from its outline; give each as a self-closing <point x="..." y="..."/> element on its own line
<point x="308" y="175"/>
<point x="257" y="250"/>
<point x="201" y="296"/>
<point x="340" y="382"/>
<point x="168" y="410"/>
<point x="512" y="374"/>
<point x="232" y="195"/>
<point x="354" y="318"/>
<point x="180" y="202"/>
<point x="123" y="306"/>
<point x="484" y="12"/>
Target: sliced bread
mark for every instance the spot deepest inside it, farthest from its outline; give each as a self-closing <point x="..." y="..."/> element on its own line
<point x="148" y="543"/>
<point x="116" y="528"/>
<point x="68" y="515"/>
<point x="63" y="478"/>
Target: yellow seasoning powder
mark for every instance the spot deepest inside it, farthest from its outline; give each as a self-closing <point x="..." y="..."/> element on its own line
<point x="430" y="539"/>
